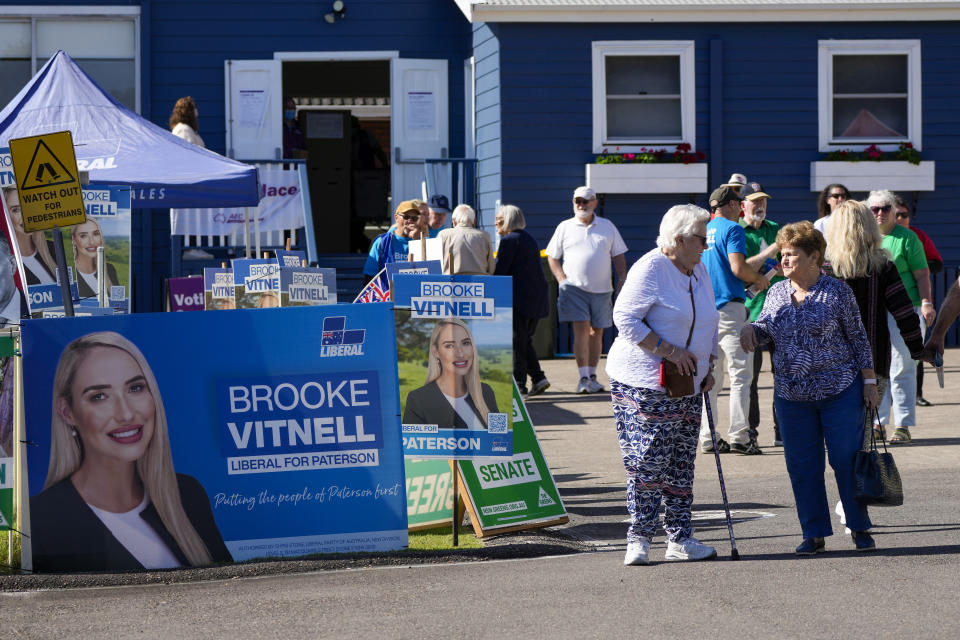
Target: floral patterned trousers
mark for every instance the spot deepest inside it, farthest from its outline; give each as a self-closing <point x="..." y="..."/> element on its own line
<point x="658" y="440"/>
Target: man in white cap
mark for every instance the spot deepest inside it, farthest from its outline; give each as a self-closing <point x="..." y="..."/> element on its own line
<point x="580" y="254"/>
<point x="736" y="182"/>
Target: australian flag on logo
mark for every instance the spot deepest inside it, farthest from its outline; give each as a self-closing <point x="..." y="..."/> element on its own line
<point x="335" y="332"/>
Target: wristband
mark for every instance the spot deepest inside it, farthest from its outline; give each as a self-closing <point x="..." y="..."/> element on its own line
<point x="925" y="303"/>
<point x="872" y="381"/>
<point x="672" y="352"/>
<point x="659" y="340"/>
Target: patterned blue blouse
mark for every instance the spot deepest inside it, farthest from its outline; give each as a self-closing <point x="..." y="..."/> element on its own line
<point x="820" y="345"/>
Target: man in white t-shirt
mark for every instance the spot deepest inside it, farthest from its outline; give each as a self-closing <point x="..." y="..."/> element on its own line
<point x="580" y="254"/>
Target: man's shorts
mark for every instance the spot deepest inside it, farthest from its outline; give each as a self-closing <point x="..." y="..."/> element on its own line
<point x="576" y="305"/>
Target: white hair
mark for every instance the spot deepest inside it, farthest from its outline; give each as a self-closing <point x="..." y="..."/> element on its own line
<point x="512" y="218"/>
<point x="680" y="220"/>
<point x="464" y="215"/>
<point x="881" y="197"/>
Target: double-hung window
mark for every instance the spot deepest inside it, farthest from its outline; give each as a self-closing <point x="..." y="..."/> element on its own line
<point x="869" y="93"/>
<point x="643" y="94"/>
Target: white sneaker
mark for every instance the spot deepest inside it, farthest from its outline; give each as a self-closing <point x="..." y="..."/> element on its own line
<point x="689" y="549"/>
<point x="594" y="386"/>
<point x="539" y="387"/>
<point x="843" y="517"/>
<point x="584" y="385"/>
<point x="637" y="552"/>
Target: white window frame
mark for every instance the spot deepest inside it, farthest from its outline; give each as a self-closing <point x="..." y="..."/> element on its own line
<point x="32" y="13"/>
<point x="688" y="108"/>
<point x="827" y="49"/>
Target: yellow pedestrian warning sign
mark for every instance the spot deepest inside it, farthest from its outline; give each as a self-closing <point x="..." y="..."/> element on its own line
<point x="45" y="168"/>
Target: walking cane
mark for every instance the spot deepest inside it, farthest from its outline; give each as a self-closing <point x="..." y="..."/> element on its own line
<point x="734" y="554"/>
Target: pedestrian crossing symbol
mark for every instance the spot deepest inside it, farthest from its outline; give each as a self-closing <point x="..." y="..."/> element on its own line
<point x="45" y="168"/>
<point x="545" y="499"/>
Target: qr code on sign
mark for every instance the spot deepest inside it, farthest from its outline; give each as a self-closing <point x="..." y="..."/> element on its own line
<point x="497" y="422"/>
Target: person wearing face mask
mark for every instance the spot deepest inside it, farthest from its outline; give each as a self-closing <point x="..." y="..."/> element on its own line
<point x="763" y="255"/>
<point x="580" y="254"/>
<point x="294" y="142"/>
<point x="899" y="405"/>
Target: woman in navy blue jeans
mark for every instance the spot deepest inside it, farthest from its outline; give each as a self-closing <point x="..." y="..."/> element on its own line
<point x="824" y="379"/>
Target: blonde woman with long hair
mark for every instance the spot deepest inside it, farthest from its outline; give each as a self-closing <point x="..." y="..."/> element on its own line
<point x="35" y="249"/>
<point x="112" y="500"/>
<point x="87" y="237"/>
<point x="856" y="256"/>
<point x="453" y="396"/>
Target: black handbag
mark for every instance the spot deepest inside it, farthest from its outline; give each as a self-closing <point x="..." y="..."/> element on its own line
<point x="877" y="479"/>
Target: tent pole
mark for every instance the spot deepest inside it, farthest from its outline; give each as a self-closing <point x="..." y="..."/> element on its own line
<point x="246" y="230"/>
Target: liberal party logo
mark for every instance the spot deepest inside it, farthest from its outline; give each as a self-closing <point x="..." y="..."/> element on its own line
<point x="337" y="340"/>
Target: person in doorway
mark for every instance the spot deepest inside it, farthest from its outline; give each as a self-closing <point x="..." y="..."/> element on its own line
<point x="112" y="500"/>
<point x="466" y="250"/>
<point x="580" y="255"/>
<point x="294" y="142"/>
<point x="726" y="263"/>
<point x="87" y="237"/>
<point x="453" y="395"/>
<point x="934" y="262"/>
<point x="898" y="408"/>
<point x="519" y="257"/>
<point x="184" y="121"/>
<point x="831" y="196"/>
<point x="35" y="250"/>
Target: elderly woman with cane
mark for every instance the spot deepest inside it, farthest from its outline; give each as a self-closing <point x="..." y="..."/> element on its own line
<point x="824" y="378"/>
<point x="659" y="365"/>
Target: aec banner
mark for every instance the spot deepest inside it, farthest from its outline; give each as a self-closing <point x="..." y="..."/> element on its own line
<point x="455" y="359"/>
<point x="232" y="440"/>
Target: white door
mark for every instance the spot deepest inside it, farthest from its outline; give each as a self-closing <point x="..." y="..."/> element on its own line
<point x="254" y="104"/>
<point x="419" y="122"/>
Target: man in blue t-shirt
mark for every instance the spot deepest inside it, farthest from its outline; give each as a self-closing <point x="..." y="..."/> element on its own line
<point x="726" y="263"/>
<point x="394" y="245"/>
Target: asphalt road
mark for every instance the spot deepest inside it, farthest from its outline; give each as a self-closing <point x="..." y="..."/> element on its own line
<point x="906" y="588"/>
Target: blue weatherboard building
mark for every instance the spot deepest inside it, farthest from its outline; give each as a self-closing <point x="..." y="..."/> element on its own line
<point x="535" y="90"/>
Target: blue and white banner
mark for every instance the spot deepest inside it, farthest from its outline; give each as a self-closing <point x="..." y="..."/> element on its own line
<point x="455" y="358"/>
<point x="256" y="282"/>
<point x="279" y="439"/>
<point x="302" y="286"/>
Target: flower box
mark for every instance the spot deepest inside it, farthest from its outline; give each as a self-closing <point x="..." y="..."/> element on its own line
<point x="894" y="175"/>
<point x="667" y="177"/>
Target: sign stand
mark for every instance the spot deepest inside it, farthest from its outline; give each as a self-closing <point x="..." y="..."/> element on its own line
<point x="453" y="478"/>
<point x="62" y="276"/>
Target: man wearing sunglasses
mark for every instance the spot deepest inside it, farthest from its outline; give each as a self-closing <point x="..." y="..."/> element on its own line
<point x="908" y="255"/>
<point x="580" y="254"/>
<point x="394" y="245"/>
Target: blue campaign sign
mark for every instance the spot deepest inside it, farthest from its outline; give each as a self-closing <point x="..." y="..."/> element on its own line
<point x="455" y="360"/>
<point x="433" y="267"/>
<point x="256" y="282"/>
<point x="253" y="437"/>
<point x="301" y="286"/>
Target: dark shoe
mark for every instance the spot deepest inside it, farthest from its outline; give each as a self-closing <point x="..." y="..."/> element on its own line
<point x="524" y="392"/>
<point x="539" y="387"/>
<point x="863" y="541"/>
<point x="923" y="402"/>
<point x="811" y="546"/>
<point x="749" y="449"/>
<point x="721" y="445"/>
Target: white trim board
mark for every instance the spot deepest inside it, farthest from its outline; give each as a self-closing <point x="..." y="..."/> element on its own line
<point x="31" y="10"/>
<point x="685" y="11"/>
<point x="334" y="56"/>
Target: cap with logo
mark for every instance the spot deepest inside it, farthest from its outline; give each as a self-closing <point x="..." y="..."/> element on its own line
<point x="722" y="195"/>
<point x="586" y="193"/>
<point x="439" y="203"/>
<point x="753" y="191"/>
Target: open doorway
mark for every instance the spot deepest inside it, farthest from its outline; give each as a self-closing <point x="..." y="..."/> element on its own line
<point x="343" y="111"/>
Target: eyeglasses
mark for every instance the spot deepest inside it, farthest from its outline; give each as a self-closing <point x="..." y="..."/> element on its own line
<point x="903" y="214"/>
<point x="703" y="239"/>
<point x="581" y="201"/>
<point x="838" y="196"/>
<point x="410" y="217"/>
<point x="885" y="208"/>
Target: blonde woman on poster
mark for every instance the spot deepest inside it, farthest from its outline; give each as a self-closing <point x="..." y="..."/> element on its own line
<point x="453" y="396"/>
<point x="112" y="500"/>
<point x="35" y="250"/>
<point x="87" y="237"/>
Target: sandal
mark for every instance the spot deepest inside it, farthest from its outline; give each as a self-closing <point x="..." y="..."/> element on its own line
<point x="879" y="432"/>
<point x="901" y="435"/>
